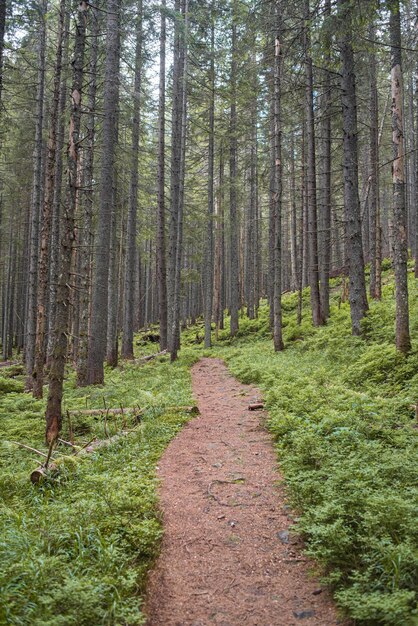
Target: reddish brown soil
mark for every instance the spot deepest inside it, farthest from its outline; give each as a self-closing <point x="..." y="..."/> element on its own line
<point x="226" y="556"/>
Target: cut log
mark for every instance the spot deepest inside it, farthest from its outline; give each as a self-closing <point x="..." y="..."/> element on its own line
<point x="42" y="472"/>
<point x="255" y="406"/>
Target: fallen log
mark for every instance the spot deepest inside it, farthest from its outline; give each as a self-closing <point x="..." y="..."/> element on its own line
<point x="104" y="411"/>
<point x="45" y="471"/>
<point x="149" y="357"/>
<point x="9" y="363"/>
<point x="137" y="410"/>
<point x="42" y="472"/>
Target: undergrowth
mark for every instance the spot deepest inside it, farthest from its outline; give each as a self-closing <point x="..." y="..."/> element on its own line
<point x="75" y="551"/>
<point x="343" y="417"/>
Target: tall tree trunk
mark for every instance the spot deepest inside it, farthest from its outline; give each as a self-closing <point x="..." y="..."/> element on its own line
<point x="161" y="247"/>
<point x="209" y="252"/>
<point x="222" y="287"/>
<point x="46" y="218"/>
<point x="128" y="313"/>
<point x="416" y="160"/>
<point x="294" y="259"/>
<point x="177" y="179"/>
<point x="272" y="187"/>
<point x="97" y="346"/>
<point x="251" y="265"/>
<point x="86" y="201"/>
<point x="58" y="357"/>
<point x="374" y="231"/>
<point x="56" y="205"/>
<point x="313" y="269"/>
<point x="112" y="344"/>
<point x="36" y="201"/>
<point x="400" y="242"/>
<point x="277" y="280"/>
<point x="183" y="137"/>
<point x="304" y="202"/>
<point x="176" y="173"/>
<point x="325" y="179"/>
<point x="3" y="4"/>
<point x="354" y="247"/>
<point x="233" y="209"/>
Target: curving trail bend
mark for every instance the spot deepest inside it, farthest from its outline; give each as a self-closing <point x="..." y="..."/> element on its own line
<point x="226" y="557"/>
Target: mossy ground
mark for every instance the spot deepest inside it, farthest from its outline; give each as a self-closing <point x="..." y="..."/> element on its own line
<point x="76" y="550"/>
<point x="341" y="411"/>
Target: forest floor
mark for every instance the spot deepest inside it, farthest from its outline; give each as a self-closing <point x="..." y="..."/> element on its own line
<point x="227" y="556"/>
<point x="340" y="421"/>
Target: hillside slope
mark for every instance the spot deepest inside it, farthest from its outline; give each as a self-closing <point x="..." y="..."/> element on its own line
<point x="75" y="550"/>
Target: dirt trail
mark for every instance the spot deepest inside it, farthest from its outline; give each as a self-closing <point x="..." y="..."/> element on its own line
<point x="226" y="557"/>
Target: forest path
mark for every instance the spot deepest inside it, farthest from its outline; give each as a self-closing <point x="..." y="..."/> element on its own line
<point x="226" y="557"/>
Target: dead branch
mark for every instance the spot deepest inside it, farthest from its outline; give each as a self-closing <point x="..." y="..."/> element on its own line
<point x="22" y="445"/>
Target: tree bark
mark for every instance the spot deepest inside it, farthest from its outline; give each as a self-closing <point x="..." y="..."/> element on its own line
<point x="59" y="349"/>
<point x="354" y="247"/>
<point x="324" y="239"/>
<point x="294" y="258"/>
<point x="313" y="269"/>
<point x="277" y="200"/>
<point x="161" y="243"/>
<point x="176" y="187"/>
<point x="128" y="313"/>
<point x="86" y="201"/>
<point x="400" y="242"/>
<point x="36" y="201"/>
<point x="3" y="4"/>
<point x="416" y="161"/>
<point x="97" y="345"/>
<point x="46" y="217"/>
<point x="374" y="217"/>
<point x="209" y="252"/>
<point x="233" y="209"/>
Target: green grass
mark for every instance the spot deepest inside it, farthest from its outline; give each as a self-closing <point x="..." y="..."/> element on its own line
<point x="76" y="550"/>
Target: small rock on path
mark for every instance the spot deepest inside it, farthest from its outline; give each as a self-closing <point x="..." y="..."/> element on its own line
<point x="223" y="558"/>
